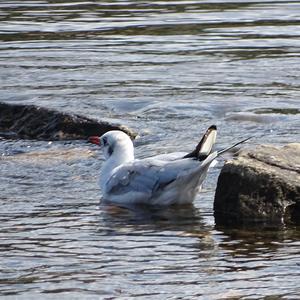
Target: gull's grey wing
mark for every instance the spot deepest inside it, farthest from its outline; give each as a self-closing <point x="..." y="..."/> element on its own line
<point x="169" y="156"/>
<point x="146" y="176"/>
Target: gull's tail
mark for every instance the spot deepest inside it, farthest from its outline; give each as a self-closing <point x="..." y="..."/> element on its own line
<point x="203" y="149"/>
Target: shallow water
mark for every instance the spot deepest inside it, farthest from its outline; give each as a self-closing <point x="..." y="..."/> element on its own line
<point x="168" y="69"/>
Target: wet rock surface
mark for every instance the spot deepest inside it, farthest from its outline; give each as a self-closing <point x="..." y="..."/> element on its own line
<point x="33" y="122"/>
<point x="260" y="185"/>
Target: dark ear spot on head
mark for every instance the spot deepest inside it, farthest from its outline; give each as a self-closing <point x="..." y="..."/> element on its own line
<point x="110" y="150"/>
<point x="104" y="140"/>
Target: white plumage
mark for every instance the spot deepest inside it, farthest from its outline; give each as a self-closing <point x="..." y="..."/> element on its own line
<point x="160" y="180"/>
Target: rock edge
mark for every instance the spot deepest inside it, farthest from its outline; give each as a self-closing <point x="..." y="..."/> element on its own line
<point x="34" y="122"/>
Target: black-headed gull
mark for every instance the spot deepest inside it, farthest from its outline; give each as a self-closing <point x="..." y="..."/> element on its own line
<point x="162" y="180"/>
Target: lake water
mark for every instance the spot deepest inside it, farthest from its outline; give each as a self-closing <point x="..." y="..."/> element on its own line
<point x="167" y="69"/>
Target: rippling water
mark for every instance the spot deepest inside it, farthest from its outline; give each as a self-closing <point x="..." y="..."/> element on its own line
<point x="168" y="69"/>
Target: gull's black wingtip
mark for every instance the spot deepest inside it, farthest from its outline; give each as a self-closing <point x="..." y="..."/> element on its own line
<point x="214" y="127"/>
<point x="204" y="147"/>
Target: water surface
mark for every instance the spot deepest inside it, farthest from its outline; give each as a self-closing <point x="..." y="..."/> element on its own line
<point x="168" y="69"/>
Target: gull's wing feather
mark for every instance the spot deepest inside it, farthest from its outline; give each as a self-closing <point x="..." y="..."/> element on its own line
<point x="204" y="147"/>
<point x="147" y="176"/>
<point x="169" y="156"/>
<point x="135" y="177"/>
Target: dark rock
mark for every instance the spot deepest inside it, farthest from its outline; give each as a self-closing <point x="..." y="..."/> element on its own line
<point x="260" y="185"/>
<point x="32" y="122"/>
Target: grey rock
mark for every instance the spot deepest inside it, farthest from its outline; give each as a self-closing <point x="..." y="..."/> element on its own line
<point x="260" y="185"/>
<point x="33" y="122"/>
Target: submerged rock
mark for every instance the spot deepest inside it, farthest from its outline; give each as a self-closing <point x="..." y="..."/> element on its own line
<point x="32" y="122"/>
<point x="260" y="185"/>
<point x="253" y="117"/>
<point x="282" y="111"/>
<point x="50" y="156"/>
<point x="263" y="115"/>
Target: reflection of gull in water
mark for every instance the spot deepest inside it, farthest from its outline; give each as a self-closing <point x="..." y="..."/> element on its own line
<point x="145" y="214"/>
<point x="161" y="180"/>
<point x="185" y="220"/>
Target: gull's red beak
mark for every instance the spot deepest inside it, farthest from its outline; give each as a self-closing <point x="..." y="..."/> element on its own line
<point x="94" y="140"/>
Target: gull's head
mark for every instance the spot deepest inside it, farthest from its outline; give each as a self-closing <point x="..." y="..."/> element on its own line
<point x="115" y="144"/>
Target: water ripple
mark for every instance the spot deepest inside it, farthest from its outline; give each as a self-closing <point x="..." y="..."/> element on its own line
<point x="168" y="69"/>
